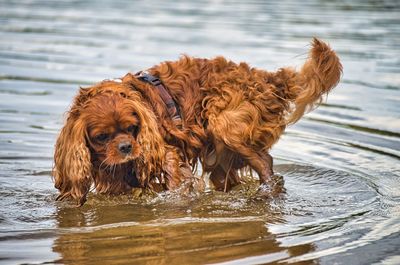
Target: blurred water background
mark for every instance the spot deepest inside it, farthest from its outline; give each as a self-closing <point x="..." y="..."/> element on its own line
<point x="340" y="163"/>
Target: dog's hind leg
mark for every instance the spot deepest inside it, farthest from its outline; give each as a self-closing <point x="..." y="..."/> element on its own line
<point x="233" y="149"/>
<point x="236" y="128"/>
<point x="261" y="163"/>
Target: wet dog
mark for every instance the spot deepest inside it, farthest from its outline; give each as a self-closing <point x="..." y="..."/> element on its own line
<point x="150" y="130"/>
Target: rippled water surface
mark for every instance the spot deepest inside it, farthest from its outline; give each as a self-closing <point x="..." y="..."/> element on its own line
<point x="340" y="163"/>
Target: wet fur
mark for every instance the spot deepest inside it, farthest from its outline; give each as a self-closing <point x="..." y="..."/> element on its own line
<point x="232" y="115"/>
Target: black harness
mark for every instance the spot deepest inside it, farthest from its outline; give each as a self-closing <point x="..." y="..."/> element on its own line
<point x="172" y="107"/>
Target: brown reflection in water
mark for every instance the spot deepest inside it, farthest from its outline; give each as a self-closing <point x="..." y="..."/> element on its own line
<point x="135" y="234"/>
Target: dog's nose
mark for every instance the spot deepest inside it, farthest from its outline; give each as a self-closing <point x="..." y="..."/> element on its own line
<point x="125" y="147"/>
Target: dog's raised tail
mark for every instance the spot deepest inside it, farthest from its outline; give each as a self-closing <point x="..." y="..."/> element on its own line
<point x="320" y="73"/>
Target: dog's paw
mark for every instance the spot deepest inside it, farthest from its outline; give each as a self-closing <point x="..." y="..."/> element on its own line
<point x="142" y="193"/>
<point x="272" y="188"/>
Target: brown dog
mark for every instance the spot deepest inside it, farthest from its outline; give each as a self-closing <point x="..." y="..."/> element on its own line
<point x="134" y="133"/>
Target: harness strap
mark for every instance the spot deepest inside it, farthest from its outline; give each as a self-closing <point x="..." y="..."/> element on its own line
<point x="172" y="106"/>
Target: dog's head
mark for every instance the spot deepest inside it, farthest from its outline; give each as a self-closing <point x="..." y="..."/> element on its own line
<point x="109" y="125"/>
<point x="112" y="126"/>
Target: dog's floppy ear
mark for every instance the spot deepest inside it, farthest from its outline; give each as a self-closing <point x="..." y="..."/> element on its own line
<point x="153" y="146"/>
<point x="72" y="170"/>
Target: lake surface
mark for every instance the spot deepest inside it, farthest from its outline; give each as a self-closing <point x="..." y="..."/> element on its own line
<point x="340" y="163"/>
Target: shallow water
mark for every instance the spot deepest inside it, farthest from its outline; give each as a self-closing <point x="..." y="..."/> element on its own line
<point x="340" y="163"/>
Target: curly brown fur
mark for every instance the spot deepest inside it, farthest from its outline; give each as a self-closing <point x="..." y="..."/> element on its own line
<point x="232" y="114"/>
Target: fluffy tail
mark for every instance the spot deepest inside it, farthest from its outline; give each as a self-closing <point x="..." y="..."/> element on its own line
<point x="320" y="73"/>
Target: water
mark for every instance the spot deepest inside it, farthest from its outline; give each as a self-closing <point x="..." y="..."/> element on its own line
<point x="340" y="163"/>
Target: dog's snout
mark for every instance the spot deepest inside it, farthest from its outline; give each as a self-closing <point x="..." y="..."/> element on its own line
<point x="125" y="147"/>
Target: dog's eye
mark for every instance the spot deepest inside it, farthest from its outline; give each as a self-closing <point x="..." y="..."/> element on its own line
<point x="101" y="137"/>
<point x="133" y="129"/>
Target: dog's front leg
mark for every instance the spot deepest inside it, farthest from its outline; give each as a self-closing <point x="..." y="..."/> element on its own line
<point x="178" y="173"/>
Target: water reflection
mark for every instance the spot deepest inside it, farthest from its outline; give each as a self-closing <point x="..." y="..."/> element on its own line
<point x="165" y="233"/>
<point x="240" y="226"/>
